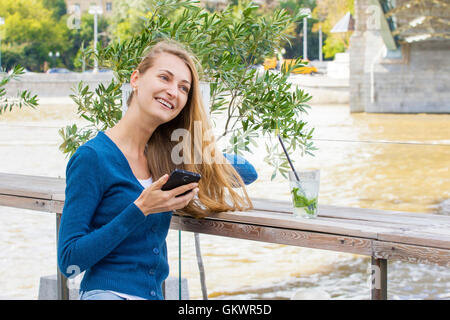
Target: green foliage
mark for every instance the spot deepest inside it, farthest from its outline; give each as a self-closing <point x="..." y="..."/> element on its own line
<point x="58" y="7"/>
<point x="301" y="201"/>
<point x="29" y="33"/>
<point x="333" y="45"/>
<point x="32" y="29"/>
<point x="328" y="13"/>
<point x="23" y="98"/>
<point x="82" y="39"/>
<point x="294" y="48"/>
<point x="227" y="45"/>
<point x="129" y="15"/>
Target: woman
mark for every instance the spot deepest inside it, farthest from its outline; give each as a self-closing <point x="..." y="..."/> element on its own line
<point x="116" y="217"/>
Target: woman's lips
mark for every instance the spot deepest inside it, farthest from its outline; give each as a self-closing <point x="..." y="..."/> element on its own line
<point x="165" y="103"/>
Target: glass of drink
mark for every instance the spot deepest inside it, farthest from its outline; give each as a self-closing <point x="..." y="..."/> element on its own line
<point x="305" y="192"/>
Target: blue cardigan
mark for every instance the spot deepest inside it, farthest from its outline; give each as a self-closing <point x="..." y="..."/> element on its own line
<point x="104" y="233"/>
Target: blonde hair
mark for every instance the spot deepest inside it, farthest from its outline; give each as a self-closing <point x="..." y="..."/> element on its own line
<point x="218" y="176"/>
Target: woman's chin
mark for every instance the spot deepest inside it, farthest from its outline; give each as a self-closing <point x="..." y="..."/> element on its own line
<point x="163" y="117"/>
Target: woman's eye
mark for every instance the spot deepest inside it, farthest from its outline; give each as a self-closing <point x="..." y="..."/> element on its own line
<point x="185" y="89"/>
<point x="164" y="77"/>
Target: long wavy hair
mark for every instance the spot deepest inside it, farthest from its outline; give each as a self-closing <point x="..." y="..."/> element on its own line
<point x="220" y="184"/>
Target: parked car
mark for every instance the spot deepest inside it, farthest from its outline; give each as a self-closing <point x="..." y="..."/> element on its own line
<point x="99" y="70"/>
<point x="308" y="69"/>
<point x="271" y="63"/>
<point x="58" y="70"/>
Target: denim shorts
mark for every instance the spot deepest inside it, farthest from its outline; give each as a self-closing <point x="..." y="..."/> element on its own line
<point x="99" y="295"/>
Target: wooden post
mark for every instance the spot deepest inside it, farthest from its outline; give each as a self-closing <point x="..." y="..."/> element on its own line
<point x="61" y="281"/>
<point x="379" y="279"/>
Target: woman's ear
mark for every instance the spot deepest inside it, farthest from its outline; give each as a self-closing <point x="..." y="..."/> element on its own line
<point x="134" y="79"/>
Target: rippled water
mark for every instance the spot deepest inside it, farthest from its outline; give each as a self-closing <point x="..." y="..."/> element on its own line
<point x="409" y="176"/>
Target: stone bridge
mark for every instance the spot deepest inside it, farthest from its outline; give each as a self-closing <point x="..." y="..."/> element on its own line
<point x="399" y="56"/>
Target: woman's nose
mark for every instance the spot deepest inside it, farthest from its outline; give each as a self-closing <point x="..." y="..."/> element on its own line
<point x="172" y="90"/>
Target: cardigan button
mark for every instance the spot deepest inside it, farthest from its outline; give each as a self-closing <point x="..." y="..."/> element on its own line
<point x="154" y="229"/>
<point x="153" y="293"/>
<point x="155" y="250"/>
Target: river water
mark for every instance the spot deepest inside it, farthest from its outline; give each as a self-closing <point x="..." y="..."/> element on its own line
<point x="382" y="161"/>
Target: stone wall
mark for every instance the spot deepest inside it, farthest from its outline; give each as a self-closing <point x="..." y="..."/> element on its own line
<point x="55" y="85"/>
<point x="421" y="85"/>
<point x="415" y="79"/>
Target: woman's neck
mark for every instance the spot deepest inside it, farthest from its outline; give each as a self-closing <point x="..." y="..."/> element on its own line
<point x="131" y="134"/>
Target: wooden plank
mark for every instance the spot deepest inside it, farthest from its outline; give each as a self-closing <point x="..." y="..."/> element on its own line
<point x="440" y="233"/>
<point x="417" y="238"/>
<point x="57" y="206"/>
<point x="275" y="219"/>
<point x="43" y="205"/>
<point x="354" y="213"/>
<point x="382" y="225"/>
<point x="379" y="279"/>
<point x="62" y="288"/>
<point x="410" y="253"/>
<point x="273" y="235"/>
<point x="407" y="218"/>
<point x="27" y="203"/>
<point x="272" y="205"/>
<point x="59" y="197"/>
<point x="47" y="194"/>
<point x="30" y="186"/>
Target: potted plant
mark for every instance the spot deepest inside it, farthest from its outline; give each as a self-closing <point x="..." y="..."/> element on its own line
<point x="229" y="44"/>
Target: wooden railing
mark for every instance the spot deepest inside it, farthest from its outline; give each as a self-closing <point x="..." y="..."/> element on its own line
<point x="382" y="235"/>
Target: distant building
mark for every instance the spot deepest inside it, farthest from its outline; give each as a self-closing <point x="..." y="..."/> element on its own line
<point x="220" y="4"/>
<point x="108" y="5"/>
<point x="83" y="5"/>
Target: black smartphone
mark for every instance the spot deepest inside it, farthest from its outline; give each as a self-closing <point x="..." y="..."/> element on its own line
<point x="179" y="178"/>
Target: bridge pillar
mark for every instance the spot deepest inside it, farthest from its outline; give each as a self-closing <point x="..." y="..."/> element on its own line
<point x="415" y="78"/>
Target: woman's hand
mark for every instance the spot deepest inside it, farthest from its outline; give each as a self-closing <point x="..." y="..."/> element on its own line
<point x="154" y="200"/>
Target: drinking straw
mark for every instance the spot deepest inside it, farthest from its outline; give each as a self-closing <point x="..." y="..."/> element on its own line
<point x="289" y="159"/>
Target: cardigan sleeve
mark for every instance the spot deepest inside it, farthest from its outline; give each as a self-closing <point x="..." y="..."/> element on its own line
<point x="79" y="247"/>
<point x="243" y="167"/>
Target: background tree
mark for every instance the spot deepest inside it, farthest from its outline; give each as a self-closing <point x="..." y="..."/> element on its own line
<point x="127" y="18"/>
<point x="32" y="29"/>
<point x="30" y="32"/>
<point x="330" y="12"/>
<point x="82" y="39"/>
<point x="58" y="7"/>
<point x="294" y="48"/>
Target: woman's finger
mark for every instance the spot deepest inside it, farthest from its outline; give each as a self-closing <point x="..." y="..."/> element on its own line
<point x="160" y="182"/>
<point x="183" y="201"/>
<point x="183" y="189"/>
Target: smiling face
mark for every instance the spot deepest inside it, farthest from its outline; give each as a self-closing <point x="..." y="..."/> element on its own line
<point x="163" y="89"/>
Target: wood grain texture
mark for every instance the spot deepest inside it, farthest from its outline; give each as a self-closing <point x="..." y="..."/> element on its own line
<point x="31" y="186"/>
<point x="410" y="253"/>
<point x="273" y="235"/>
<point x="405" y="236"/>
<point x="35" y="204"/>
